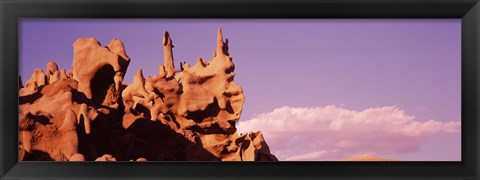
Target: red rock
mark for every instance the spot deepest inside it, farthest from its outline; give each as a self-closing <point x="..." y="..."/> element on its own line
<point x="89" y="113"/>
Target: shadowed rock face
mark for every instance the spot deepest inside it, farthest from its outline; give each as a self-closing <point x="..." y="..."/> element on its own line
<point x="89" y="113"/>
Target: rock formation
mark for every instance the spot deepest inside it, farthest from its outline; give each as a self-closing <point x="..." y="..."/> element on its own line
<point x="90" y="113"/>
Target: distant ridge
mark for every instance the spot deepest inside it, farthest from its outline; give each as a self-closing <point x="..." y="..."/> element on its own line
<point x="367" y="157"/>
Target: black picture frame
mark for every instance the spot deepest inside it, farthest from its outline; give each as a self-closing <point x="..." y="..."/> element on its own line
<point x="467" y="10"/>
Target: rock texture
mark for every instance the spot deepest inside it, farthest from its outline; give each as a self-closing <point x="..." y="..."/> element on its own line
<point x="90" y="113"/>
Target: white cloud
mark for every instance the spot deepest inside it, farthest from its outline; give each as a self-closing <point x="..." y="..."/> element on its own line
<point x="334" y="133"/>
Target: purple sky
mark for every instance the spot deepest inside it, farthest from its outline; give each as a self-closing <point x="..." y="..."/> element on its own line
<point x="356" y="64"/>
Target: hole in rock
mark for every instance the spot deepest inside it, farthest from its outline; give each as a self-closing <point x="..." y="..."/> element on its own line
<point x="101" y="82"/>
<point x="212" y="110"/>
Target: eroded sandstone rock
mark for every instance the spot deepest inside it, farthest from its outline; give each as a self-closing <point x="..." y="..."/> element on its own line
<point x="90" y="113"/>
<point x="99" y="70"/>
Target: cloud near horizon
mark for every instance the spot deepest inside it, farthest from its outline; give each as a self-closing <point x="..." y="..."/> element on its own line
<point x="336" y="133"/>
